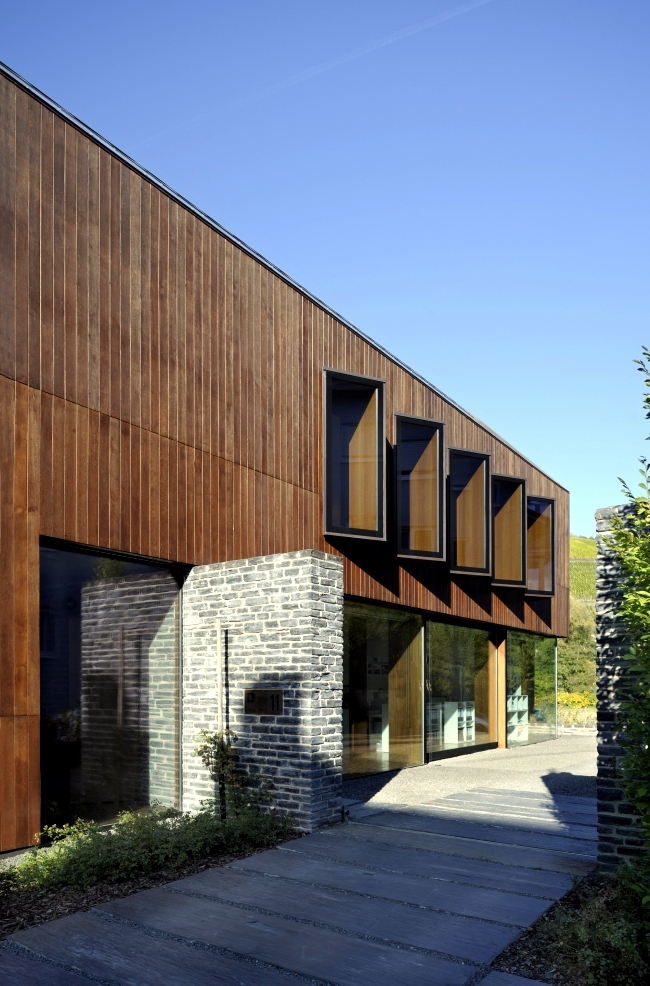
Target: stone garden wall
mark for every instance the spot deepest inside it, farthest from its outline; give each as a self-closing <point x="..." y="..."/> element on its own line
<point x="617" y="839"/>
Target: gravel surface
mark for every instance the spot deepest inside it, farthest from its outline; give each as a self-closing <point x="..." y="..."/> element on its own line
<point x="563" y="766"/>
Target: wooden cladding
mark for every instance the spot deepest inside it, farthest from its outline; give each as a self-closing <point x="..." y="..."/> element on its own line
<point x="508" y="531"/>
<point x="419" y="467"/>
<point x="469" y="500"/>
<point x="354" y="467"/>
<point x="541" y="545"/>
<point x="161" y="393"/>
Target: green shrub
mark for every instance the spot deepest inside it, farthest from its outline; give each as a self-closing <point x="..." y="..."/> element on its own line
<point x="600" y="938"/>
<point x="139" y="843"/>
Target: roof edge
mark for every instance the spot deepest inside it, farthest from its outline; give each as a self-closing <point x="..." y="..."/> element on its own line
<point x="209" y="221"/>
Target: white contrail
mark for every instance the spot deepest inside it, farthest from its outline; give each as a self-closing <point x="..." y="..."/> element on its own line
<point x="309" y="73"/>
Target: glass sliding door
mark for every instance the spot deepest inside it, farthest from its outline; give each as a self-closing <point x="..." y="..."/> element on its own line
<point x="110" y="679"/>
<point x="382" y="689"/>
<point x="461" y="693"/>
<point x="531" y="688"/>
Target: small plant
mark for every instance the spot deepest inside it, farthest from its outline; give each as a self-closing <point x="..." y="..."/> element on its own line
<point x="238" y="791"/>
<point x="216" y="752"/>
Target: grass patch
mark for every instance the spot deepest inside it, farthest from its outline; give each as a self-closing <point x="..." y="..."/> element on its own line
<point x="583" y="547"/>
<point x="595" y="936"/>
<point x="582" y="579"/>
<point x="138" y="844"/>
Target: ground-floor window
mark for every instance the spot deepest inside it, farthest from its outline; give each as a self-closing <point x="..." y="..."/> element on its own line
<point x="531" y="688"/>
<point x="415" y="688"/>
<point x="110" y="682"/>
<point x="461" y="688"/>
<point x="383" y="671"/>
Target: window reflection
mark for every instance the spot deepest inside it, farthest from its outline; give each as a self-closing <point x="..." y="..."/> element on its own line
<point x="382" y="689"/>
<point x="460" y="687"/>
<point x="530" y="688"/>
<point x="109" y="685"/>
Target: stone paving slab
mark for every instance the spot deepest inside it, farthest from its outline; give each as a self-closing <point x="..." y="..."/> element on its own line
<point x="454" y="934"/>
<point x="472" y="848"/>
<point x="520" y="814"/>
<point x="555" y="802"/>
<point x="339" y="843"/>
<point x="425" y="819"/>
<point x="301" y="948"/>
<point x="477" y="902"/>
<point x="20" y="970"/>
<point x="113" y="952"/>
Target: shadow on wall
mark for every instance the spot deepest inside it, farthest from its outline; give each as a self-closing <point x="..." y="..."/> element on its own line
<point x="574" y="785"/>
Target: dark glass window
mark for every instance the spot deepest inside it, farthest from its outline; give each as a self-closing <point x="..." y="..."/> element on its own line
<point x="468" y="508"/>
<point x="382" y="689"/>
<point x="508" y="531"/>
<point x="110" y="666"/>
<point x="419" y="463"/>
<point x="540" y="538"/>
<point x="531" y="688"/>
<point x="354" y="470"/>
<point x="460" y="688"/>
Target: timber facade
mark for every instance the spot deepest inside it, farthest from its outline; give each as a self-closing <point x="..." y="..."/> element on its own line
<point x="162" y="403"/>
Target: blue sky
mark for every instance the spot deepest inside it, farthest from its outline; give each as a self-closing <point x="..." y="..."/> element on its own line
<point x="466" y="182"/>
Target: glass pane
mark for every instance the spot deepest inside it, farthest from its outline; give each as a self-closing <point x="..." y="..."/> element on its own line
<point x="508" y="505"/>
<point x="419" y="487"/>
<point x="468" y="490"/>
<point x="353" y="457"/>
<point x="540" y="545"/>
<point x="460" y="688"/>
<point x="382" y="689"/>
<point x="109" y="685"/>
<point x="530" y="688"/>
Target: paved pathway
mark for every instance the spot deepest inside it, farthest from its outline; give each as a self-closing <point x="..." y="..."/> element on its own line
<point x="410" y="895"/>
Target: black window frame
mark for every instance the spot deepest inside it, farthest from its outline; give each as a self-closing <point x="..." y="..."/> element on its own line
<point x="330" y="530"/>
<point x="498" y="477"/>
<point x="553" y="502"/>
<point x="454" y="568"/>
<point x="441" y="554"/>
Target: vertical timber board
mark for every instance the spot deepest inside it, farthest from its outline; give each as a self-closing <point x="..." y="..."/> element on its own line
<point x="19" y="648"/>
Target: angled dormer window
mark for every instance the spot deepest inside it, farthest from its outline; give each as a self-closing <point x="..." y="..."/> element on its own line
<point x="354" y="456"/>
<point x="420" y="475"/>
<point x="508" y="531"/>
<point x="469" y="511"/>
<point x="541" y="545"/>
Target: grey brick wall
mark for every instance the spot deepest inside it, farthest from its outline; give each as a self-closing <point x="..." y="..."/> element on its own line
<point x="282" y="619"/>
<point x="617" y="839"/>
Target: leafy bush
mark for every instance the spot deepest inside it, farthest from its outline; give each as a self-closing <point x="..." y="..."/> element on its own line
<point x="577" y="700"/>
<point x="630" y="541"/>
<point x="599" y="936"/>
<point x="139" y="843"/>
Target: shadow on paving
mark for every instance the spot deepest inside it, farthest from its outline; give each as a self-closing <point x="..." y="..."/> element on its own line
<point x="418" y="894"/>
